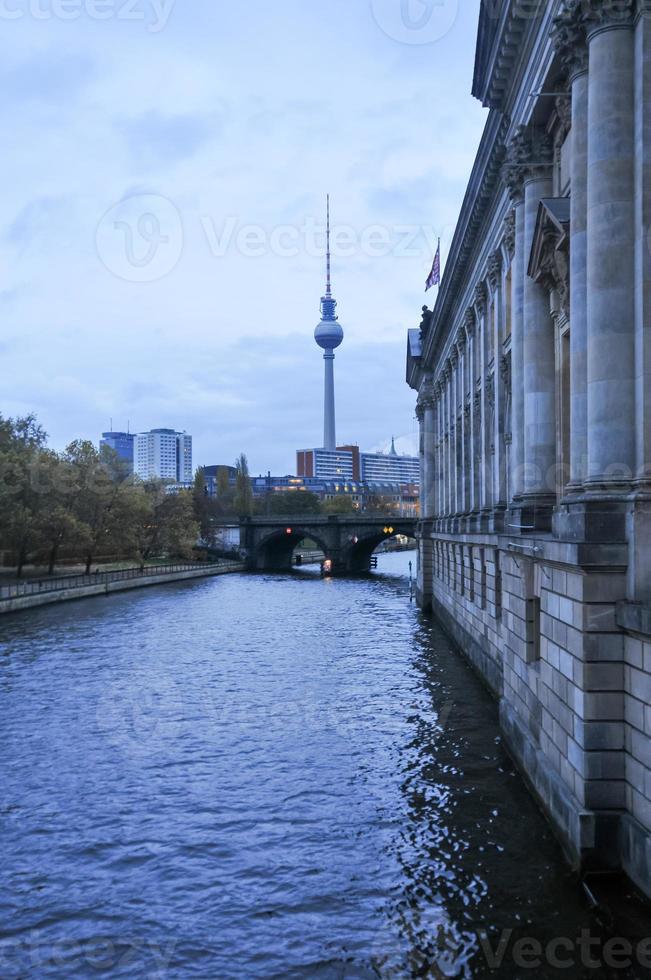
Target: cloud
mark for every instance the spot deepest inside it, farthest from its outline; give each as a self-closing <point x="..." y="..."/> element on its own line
<point x="156" y="141"/>
<point x="250" y="112"/>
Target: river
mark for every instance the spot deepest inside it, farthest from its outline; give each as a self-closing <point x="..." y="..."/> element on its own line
<point x="263" y="776"/>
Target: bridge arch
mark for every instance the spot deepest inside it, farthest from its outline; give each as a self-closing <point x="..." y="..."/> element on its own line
<point x="274" y="551"/>
<point x="357" y="555"/>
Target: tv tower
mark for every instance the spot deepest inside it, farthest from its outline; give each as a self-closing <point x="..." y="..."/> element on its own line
<point x="329" y="336"/>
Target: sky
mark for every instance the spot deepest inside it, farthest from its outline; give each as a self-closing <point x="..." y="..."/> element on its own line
<point x="162" y="212"/>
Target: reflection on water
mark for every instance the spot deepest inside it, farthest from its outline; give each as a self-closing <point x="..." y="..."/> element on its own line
<point x="273" y="776"/>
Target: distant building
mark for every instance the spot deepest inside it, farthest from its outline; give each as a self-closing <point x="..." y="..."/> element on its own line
<point x="121" y="443"/>
<point x="390" y="467"/>
<point x="211" y="475"/>
<point x="348" y="463"/>
<point x="163" y="454"/>
<point x="401" y="498"/>
<point x="329" y="464"/>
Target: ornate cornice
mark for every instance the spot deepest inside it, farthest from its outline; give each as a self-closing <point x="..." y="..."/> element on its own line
<point x="502" y="30"/>
<point x="482" y="188"/>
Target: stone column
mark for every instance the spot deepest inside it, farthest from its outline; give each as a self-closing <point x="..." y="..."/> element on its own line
<point x="513" y="178"/>
<point x="495" y="282"/>
<point x="570" y="41"/>
<point x="539" y="353"/>
<point x="611" y="250"/>
<point x="454" y="430"/>
<point x="508" y="253"/>
<point x="471" y="433"/>
<point x="462" y="446"/>
<point x="480" y="306"/>
<point x="639" y="585"/>
<point x="643" y="245"/>
<point x="442" y="472"/>
<point x="450" y="434"/>
<point x="420" y="415"/>
<point x="429" y="439"/>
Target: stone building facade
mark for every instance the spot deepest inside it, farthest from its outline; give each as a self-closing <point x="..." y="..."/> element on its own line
<point x="533" y="376"/>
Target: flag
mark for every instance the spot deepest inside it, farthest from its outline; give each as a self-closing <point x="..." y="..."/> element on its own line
<point x="434" y="278"/>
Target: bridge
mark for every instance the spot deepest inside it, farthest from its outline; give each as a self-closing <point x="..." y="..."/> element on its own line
<point x="268" y="543"/>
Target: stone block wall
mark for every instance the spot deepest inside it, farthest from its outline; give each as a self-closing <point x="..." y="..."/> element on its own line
<point x="574" y="688"/>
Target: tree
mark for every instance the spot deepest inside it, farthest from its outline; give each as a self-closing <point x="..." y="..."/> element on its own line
<point x="223" y="481"/>
<point x="102" y="485"/>
<point x="164" y="523"/>
<point x="377" y="504"/>
<point x="339" y="505"/>
<point x="21" y="443"/>
<point x="243" y="492"/>
<point x="201" y="503"/>
<point x="57" y="525"/>
<point x="291" y="502"/>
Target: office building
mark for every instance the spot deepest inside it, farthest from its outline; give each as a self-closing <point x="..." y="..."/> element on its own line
<point x="163" y="454"/>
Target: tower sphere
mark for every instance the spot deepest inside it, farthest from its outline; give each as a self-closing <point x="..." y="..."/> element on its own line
<point x="329" y="334"/>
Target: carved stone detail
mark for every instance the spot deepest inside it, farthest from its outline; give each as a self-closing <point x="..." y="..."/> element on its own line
<point x="564" y="113"/>
<point x="509" y="234"/>
<point x="490" y="390"/>
<point x="481" y="298"/>
<point x="426" y="321"/>
<point x="494" y="272"/>
<point x="530" y="154"/>
<point x="603" y="14"/>
<point x="427" y="395"/>
<point x="554" y="273"/>
<point x="569" y="37"/>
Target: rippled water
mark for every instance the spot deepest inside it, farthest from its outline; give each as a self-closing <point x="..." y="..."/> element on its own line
<point x="264" y="776"/>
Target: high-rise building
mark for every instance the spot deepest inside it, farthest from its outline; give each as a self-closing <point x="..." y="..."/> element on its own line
<point x="390" y="467"/>
<point x="163" y="454"/>
<point x="342" y="463"/>
<point x="121" y="443"/>
<point x="329" y="335"/>
<point x="348" y="463"/>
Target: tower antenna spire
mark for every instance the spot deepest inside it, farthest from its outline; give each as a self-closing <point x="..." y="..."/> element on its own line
<point x="328" y="280"/>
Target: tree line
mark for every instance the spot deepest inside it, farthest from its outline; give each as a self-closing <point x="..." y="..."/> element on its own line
<point x="83" y="504"/>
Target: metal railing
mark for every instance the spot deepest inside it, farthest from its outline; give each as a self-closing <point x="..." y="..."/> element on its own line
<point x="63" y="582"/>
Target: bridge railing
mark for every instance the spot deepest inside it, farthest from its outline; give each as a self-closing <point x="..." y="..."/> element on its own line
<point x="63" y="582"/>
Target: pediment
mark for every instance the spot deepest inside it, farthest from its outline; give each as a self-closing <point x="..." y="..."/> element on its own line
<point x="549" y="258"/>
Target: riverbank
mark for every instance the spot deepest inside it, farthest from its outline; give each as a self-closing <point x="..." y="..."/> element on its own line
<point x="29" y="595"/>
